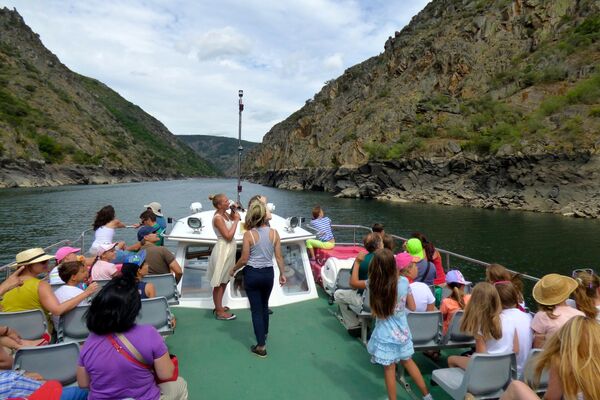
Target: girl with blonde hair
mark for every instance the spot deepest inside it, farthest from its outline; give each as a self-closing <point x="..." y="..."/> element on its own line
<point x="391" y="341"/>
<point x="587" y="293"/>
<point x="260" y="244"/>
<point x="483" y="319"/>
<point x="222" y="257"/>
<point x="572" y="357"/>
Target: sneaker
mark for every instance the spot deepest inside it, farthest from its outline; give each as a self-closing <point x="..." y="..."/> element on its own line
<point x="260" y="353"/>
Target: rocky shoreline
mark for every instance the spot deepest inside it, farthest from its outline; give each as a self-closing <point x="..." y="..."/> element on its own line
<point x="21" y="173"/>
<point x="565" y="184"/>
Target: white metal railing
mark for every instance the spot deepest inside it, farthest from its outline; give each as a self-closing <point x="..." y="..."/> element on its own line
<point x="79" y="241"/>
<point x="448" y="255"/>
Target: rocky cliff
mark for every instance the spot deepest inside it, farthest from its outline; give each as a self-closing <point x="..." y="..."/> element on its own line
<point x="59" y="127"/>
<point x="486" y="103"/>
<point x="221" y="151"/>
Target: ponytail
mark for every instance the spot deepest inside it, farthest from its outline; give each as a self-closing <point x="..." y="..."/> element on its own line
<point x="586" y="293"/>
<point x="458" y="293"/>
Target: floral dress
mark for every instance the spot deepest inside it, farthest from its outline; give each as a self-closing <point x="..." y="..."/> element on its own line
<point x="391" y="340"/>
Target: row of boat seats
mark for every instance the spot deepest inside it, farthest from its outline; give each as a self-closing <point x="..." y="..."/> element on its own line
<point x="164" y="284"/>
<point x="72" y="326"/>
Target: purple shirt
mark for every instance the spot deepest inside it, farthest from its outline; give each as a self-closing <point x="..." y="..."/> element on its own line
<point x="112" y="376"/>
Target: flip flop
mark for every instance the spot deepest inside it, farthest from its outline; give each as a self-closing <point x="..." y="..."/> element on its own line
<point x="45" y="340"/>
<point x="222" y="318"/>
<point x="224" y="308"/>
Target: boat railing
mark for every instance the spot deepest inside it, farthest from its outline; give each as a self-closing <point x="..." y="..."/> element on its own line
<point x="449" y="256"/>
<point x="77" y="242"/>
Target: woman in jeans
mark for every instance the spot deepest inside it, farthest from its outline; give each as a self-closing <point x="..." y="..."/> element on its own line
<point x="260" y="244"/>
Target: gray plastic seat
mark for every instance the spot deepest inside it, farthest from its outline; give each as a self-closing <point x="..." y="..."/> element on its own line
<point x="165" y="286"/>
<point x="364" y="315"/>
<point x="72" y="325"/>
<point x="56" y="286"/>
<point x="55" y="361"/>
<point x="425" y="328"/>
<point x="455" y="338"/>
<point x="342" y="282"/>
<point x="529" y="373"/>
<point x="102" y="282"/>
<point x="31" y="325"/>
<point x="156" y="312"/>
<point x="486" y="377"/>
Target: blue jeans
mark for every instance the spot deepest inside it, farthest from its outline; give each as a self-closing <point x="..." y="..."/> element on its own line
<point x="74" y="393"/>
<point x="258" y="283"/>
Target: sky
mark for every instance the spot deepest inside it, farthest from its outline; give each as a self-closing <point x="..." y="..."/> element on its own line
<point x="183" y="61"/>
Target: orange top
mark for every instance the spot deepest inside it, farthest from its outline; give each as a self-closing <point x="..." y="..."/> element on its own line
<point x="448" y="307"/>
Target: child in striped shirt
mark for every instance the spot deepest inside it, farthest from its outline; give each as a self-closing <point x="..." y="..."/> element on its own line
<point x="325" y="239"/>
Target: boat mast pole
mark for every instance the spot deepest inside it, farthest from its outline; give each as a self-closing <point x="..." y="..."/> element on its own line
<point x="240" y="148"/>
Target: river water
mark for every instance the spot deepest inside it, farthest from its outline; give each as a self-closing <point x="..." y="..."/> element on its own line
<point x="528" y="242"/>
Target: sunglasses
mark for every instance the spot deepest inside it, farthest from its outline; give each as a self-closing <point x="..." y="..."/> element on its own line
<point x="576" y="272"/>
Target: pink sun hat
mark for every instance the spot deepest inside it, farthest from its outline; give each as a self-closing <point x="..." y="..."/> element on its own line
<point x="403" y="260"/>
<point x="65" y="251"/>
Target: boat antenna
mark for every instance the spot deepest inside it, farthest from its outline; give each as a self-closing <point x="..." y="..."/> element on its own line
<point x="240" y="148"/>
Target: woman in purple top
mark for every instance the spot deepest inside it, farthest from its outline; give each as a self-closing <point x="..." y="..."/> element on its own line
<point x="106" y="370"/>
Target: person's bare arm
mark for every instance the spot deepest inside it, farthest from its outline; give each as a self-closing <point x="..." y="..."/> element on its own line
<point x="134" y="247"/>
<point x="279" y="258"/>
<point x="410" y="302"/>
<point x="12" y="281"/>
<point x="516" y="343"/>
<point x="150" y="290"/>
<point x="6" y="360"/>
<point x="176" y="269"/>
<point x="227" y="234"/>
<point x="354" y="281"/>
<point x="245" y="253"/>
<point x="116" y="224"/>
<point x="538" y="340"/>
<point x="164" y="366"/>
<point x="480" y="346"/>
<point x="51" y="304"/>
<point x="430" y="307"/>
<point x="555" y="390"/>
<point x="83" y="379"/>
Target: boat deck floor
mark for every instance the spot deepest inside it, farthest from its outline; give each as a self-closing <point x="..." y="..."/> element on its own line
<point x="310" y="355"/>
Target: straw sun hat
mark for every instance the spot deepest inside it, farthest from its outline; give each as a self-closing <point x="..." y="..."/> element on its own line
<point x="32" y="256"/>
<point x="553" y="289"/>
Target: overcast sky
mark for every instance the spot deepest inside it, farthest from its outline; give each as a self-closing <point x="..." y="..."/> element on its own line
<point x="183" y="61"/>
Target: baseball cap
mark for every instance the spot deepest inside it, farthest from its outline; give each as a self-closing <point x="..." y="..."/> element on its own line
<point x="155" y="207"/>
<point x="415" y="248"/>
<point x="403" y="260"/>
<point x="455" y="276"/>
<point x="104" y="247"/>
<point x="145" y="230"/>
<point x="137" y="258"/>
<point x="65" y="251"/>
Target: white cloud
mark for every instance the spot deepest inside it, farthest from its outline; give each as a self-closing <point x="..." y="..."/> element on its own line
<point x="334" y="62"/>
<point x="183" y="61"/>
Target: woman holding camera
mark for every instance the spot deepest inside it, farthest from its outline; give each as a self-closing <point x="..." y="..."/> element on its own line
<point x="222" y="257"/>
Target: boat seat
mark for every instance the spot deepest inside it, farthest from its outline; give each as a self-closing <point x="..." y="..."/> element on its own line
<point x="30" y="325"/>
<point x="486" y="377"/>
<point x="156" y="312"/>
<point x="53" y="362"/>
<point x="425" y="328"/>
<point x="364" y="315"/>
<point x="72" y="326"/>
<point x="455" y="338"/>
<point x="165" y="286"/>
<point x="529" y="373"/>
<point x="56" y="286"/>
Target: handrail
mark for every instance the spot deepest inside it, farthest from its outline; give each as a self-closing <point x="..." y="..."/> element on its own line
<point x="448" y="254"/>
<point x="64" y="242"/>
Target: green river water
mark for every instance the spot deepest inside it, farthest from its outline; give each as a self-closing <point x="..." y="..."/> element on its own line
<point x="528" y="242"/>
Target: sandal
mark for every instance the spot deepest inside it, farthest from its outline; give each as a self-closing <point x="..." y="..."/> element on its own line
<point x="261" y="353"/>
<point x="224" y="308"/>
<point x="224" y="318"/>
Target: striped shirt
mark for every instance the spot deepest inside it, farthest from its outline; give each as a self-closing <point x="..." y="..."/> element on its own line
<point x="15" y="384"/>
<point x="323" y="227"/>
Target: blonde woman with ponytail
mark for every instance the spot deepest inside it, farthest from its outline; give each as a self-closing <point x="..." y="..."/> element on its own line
<point x="261" y="244"/>
<point x="587" y="293"/>
<point x="572" y="357"/>
<point x="222" y="257"/>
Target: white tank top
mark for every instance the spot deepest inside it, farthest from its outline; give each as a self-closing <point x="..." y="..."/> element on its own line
<point x="102" y="235"/>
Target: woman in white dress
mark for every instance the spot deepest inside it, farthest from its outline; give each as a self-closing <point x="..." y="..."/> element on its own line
<point x="222" y="258"/>
<point x="104" y="225"/>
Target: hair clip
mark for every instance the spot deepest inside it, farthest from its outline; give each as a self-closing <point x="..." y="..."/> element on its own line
<point x="501" y="282"/>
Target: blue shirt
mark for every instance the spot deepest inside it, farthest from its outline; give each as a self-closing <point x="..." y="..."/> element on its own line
<point x="14" y="384"/>
<point x="162" y="222"/>
<point x="323" y="227"/>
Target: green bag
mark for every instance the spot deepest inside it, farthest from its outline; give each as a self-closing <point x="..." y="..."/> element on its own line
<point x="438" y="296"/>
